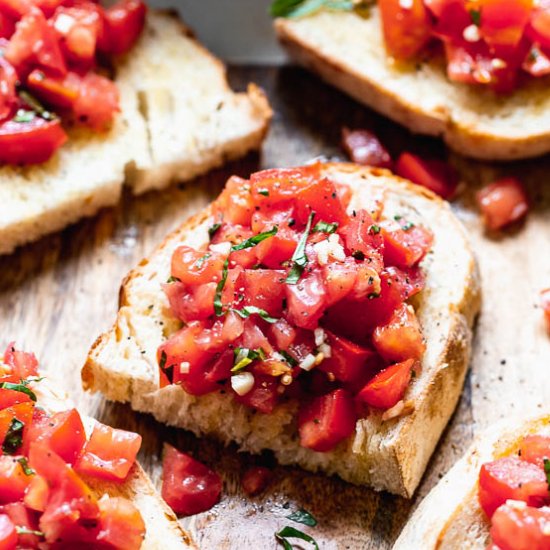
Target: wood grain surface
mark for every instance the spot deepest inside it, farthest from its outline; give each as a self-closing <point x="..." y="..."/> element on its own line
<point x="57" y="295"/>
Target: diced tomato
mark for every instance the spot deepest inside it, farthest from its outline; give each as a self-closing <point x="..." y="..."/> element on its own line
<point x="121" y="524"/>
<point x="8" y="97"/>
<point x="510" y="478"/>
<point x="340" y="279"/>
<point x="518" y="528"/>
<point x="191" y="304"/>
<point x="23" y="364"/>
<point x="255" y="480"/>
<point x="193" y="267"/>
<point x="363" y="239"/>
<point x="124" y="22"/>
<point x="15" y="9"/>
<point x="538" y="29"/>
<point x="13" y="480"/>
<point x="363" y="147"/>
<point x="535" y="448"/>
<point x="12" y="397"/>
<point x="326" y="420"/>
<point x="401" y="337"/>
<point x="322" y="198"/>
<point x="263" y="396"/>
<point x="502" y="203"/>
<point x="26" y="519"/>
<point x="37" y="494"/>
<point x="30" y="142"/>
<point x="537" y="62"/>
<point x="188" y="486"/>
<point x="452" y="17"/>
<point x="387" y="388"/>
<point x="109" y="453"/>
<point x="61" y="92"/>
<point x="545" y="304"/>
<point x="21" y="412"/>
<point x="276" y="250"/>
<point x="8" y="535"/>
<point x="437" y="176"/>
<point x="406" y="245"/>
<point x="63" y="432"/>
<point x="348" y="362"/>
<point x="306" y="300"/>
<point x="97" y="102"/>
<point x="235" y="201"/>
<point x="7" y="26"/>
<point x="282" y="333"/>
<point x="406" y="29"/>
<point x="264" y="288"/>
<point x="35" y="42"/>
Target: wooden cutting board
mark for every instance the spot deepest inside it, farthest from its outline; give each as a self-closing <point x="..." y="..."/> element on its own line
<point x="57" y="295"/>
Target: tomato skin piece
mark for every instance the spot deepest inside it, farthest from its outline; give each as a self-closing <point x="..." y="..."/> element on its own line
<point x="37" y="494"/>
<point x="363" y="147"/>
<point x="401" y="337"/>
<point x="255" y="480"/>
<point x="8" y="535"/>
<point x="124" y="22"/>
<point x="60" y="92"/>
<point x="109" y="453"/>
<point x="406" y="31"/>
<point x="502" y="203"/>
<point x="23" y="364"/>
<point x="545" y="304"/>
<point x="188" y="486"/>
<point x="264" y="288"/>
<point x="503" y="22"/>
<point x="30" y="142"/>
<point x="235" y="202"/>
<point x="406" y="247"/>
<point x="361" y="235"/>
<point x="121" y="524"/>
<point x="436" y="175"/>
<point x="326" y="420"/>
<point x="306" y="300"/>
<point x="514" y="528"/>
<point x="192" y="267"/>
<point x="13" y="480"/>
<point x="510" y="478"/>
<point x="387" y="388"/>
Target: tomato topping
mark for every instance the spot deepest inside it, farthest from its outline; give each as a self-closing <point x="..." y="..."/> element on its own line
<point x="13" y="480"/>
<point x="436" y="175"/>
<point x="255" y="480"/>
<point x="8" y="77"/>
<point x="37" y="494"/>
<point x="23" y="365"/>
<point x="121" y="524"/>
<point x="535" y="449"/>
<point x="288" y="296"/>
<point x="326" y="420"/>
<point x="188" y="486"/>
<point x="14" y="425"/>
<point x="511" y="478"/>
<point x="545" y="304"/>
<point x="521" y="528"/>
<point x="502" y="203"/>
<point x="124" y="22"/>
<point x="8" y="535"/>
<point x="363" y="147"/>
<point x="109" y="453"/>
<point x="387" y="388"/>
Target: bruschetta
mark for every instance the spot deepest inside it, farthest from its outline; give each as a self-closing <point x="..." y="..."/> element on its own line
<point x="437" y="67"/>
<point x="495" y="497"/>
<point x="107" y="97"/>
<point x="322" y="312"/>
<point x="67" y="480"/>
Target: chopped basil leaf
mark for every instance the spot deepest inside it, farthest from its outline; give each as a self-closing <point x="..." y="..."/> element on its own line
<point x="213" y="229"/>
<point x="162" y="362"/>
<point x="299" y="258"/>
<point x="547" y="471"/>
<point x="476" y="17"/>
<point x="300" y="8"/>
<point x="256" y="239"/>
<point x="245" y="356"/>
<point x="25" y="465"/>
<point x="14" y="437"/>
<point x="291" y="533"/>
<point x="406" y="226"/>
<point x="247" y="311"/>
<point x="397" y="217"/>
<point x="303" y="516"/>
<point x="374" y="229"/>
<point x="202" y="259"/>
<point x="172" y="279"/>
<point x="26" y="531"/>
<point x="218" y="307"/>
<point x="288" y="358"/>
<point x="324" y="227"/>
<point x="23" y="115"/>
<point x="22" y="387"/>
<point x="263" y="192"/>
<point x="36" y="106"/>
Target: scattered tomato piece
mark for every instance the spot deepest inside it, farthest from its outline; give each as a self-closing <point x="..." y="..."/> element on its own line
<point x="255" y="480"/>
<point x="363" y="147"/>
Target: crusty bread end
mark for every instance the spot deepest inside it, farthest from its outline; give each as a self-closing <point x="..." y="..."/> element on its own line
<point x="389" y="455"/>
<point x="348" y="52"/>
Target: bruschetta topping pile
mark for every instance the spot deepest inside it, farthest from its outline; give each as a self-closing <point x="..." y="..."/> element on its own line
<point x="295" y="296"/>
<point x="45" y="501"/>
<point x="514" y="492"/>
<point x="50" y="54"/>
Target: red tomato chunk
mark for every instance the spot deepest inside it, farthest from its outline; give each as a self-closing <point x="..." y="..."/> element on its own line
<point x="40" y="490"/>
<point x="188" y="486"/>
<point x="255" y="480"/>
<point x="297" y="297"/>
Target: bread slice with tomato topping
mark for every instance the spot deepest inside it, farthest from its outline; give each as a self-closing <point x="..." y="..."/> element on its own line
<point x="451" y="516"/>
<point x="349" y="52"/>
<point x="178" y="119"/>
<point x="386" y="449"/>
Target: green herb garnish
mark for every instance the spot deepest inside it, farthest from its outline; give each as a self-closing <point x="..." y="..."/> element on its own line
<point x="476" y="17"/>
<point x="245" y="356"/>
<point x="374" y="229"/>
<point x="303" y="516"/>
<point x="288" y="358"/>
<point x="291" y="533"/>
<point x="26" y="531"/>
<point x="263" y="192"/>
<point x="23" y="115"/>
<point x="256" y="239"/>
<point x="173" y="279"/>
<point x="14" y="437"/>
<point x="299" y="258"/>
<point x="324" y="227"/>
<point x="406" y="226"/>
<point x="301" y="8"/>
<point x="36" y="106"/>
<point x="213" y="229"/>
<point x="547" y="471"/>
<point x="218" y="306"/>
<point x="247" y="311"/>
<point x="25" y="465"/>
<point x="202" y="259"/>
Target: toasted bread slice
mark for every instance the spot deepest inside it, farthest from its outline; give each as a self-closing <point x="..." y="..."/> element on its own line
<point x="348" y="52"/>
<point x="178" y="119"/>
<point x="450" y="517"/>
<point x="163" y="530"/>
<point x="389" y="455"/>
